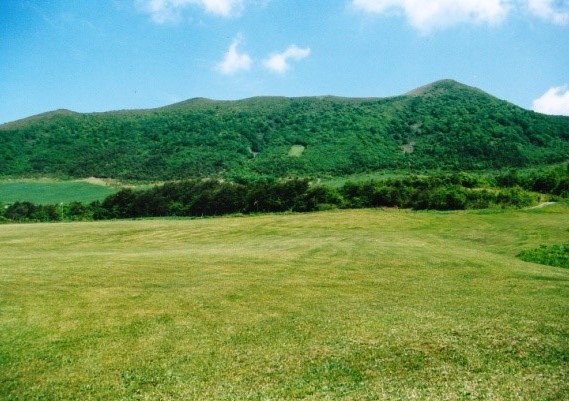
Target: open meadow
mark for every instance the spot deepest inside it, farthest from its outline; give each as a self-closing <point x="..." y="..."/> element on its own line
<point x="339" y="305"/>
<point x="46" y="191"/>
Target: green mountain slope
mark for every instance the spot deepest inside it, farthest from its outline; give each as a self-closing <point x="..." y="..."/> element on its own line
<point x="444" y="125"/>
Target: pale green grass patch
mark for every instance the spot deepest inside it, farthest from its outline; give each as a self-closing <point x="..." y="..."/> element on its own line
<point x="296" y="150"/>
<point x="52" y="191"/>
<point x="342" y="305"/>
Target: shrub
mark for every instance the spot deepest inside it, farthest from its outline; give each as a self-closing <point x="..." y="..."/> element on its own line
<point x="516" y="197"/>
<point x="552" y="255"/>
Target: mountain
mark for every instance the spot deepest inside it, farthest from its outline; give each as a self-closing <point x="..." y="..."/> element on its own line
<point x="444" y="125"/>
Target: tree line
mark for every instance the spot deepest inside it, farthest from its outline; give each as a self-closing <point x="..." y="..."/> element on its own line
<point x="196" y="198"/>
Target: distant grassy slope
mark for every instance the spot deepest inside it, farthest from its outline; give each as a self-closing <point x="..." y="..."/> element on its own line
<point x="444" y="125"/>
<point x="52" y="192"/>
<point x="350" y="305"/>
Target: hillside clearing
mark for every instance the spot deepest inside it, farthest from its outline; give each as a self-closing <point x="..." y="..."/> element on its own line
<point x="296" y="150"/>
<point x="341" y="305"/>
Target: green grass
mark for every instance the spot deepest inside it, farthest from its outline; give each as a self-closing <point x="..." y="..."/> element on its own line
<point x="52" y="192"/>
<point x="296" y="150"/>
<point x="552" y="255"/>
<point x="340" y="305"/>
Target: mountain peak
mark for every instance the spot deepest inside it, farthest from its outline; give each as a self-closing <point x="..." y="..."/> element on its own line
<point x="443" y="85"/>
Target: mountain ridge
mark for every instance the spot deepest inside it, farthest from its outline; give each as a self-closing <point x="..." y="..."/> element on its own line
<point x="205" y="100"/>
<point x="444" y="125"/>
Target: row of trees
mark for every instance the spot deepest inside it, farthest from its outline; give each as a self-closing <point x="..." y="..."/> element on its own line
<point x="212" y="197"/>
<point x="549" y="181"/>
<point x="28" y="211"/>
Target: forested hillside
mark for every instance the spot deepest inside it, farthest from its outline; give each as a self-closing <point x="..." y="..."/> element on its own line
<point x="443" y="126"/>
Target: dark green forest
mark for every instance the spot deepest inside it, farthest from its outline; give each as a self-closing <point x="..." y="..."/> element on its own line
<point x="206" y="197"/>
<point x="444" y="126"/>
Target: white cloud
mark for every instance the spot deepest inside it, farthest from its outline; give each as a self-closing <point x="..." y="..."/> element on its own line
<point x="234" y="61"/>
<point x="555" y="101"/>
<point x="225" y="8"/>
<point x="278" y="62"/>
<point x="162" y="11"/>
<point x="550" y="10"/>
<point x="429" y="15"/>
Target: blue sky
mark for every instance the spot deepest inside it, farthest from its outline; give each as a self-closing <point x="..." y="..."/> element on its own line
<point x="101" y="55"/>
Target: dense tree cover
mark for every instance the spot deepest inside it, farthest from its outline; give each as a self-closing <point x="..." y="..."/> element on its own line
<point x="443" y="126"/>
<point x="213" y="197"/>
<point x="553" y="180"/>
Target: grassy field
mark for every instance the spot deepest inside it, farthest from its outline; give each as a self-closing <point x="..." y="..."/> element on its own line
<point x="340" y="305"/>
<point x="52" y="192"/>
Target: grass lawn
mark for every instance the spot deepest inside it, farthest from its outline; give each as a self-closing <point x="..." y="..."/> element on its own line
<point x="339" y="305"/>
<point x="52" y="192"/>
